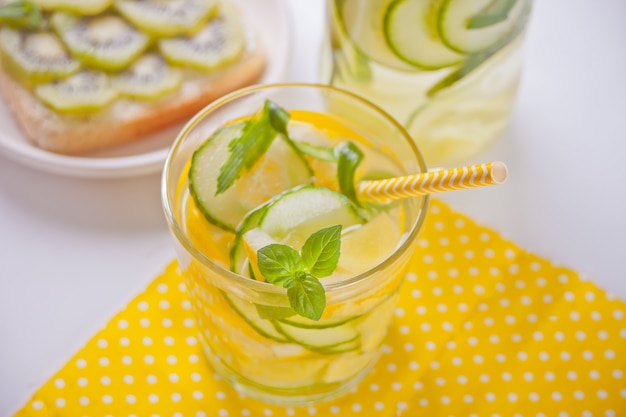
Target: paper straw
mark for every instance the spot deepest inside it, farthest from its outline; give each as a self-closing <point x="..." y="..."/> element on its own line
<point x="472" y="176"/>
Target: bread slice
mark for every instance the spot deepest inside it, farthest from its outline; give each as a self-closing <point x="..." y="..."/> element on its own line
<point x="125" y="120"/>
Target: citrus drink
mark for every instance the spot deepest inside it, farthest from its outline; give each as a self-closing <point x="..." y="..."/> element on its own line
<point x="448" y="70"/>
<point x="256" y="332"/>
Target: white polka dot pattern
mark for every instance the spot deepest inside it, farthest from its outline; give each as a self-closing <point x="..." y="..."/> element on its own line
<point x="482" y="329"/>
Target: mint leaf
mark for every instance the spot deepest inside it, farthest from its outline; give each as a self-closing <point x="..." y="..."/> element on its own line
<point x="349" y="156"/>
<point x="256" y="137"/>
<point x="21" y="14"/>
<point x="469" y="65"/>
<point x="282" y="265"/>
<point x="352" y="62"/>
<point x="306" y="295"/>
<point x="495" y="12"/>
<point x="323" y="153"/>
<point x="320" y="252"/>
<point x="279" y="263"/>
<point x="278" y="117"/>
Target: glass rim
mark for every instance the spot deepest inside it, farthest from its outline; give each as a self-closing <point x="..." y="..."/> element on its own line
<point x="260" y="286"/>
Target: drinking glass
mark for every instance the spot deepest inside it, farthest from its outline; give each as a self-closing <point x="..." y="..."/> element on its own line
<point x="291" y="360"/>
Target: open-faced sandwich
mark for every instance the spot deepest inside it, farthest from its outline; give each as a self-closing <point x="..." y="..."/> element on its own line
<point x="81" y="75"/>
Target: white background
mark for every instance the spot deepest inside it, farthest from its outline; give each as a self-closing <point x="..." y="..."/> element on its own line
<point x="75" y="251"/>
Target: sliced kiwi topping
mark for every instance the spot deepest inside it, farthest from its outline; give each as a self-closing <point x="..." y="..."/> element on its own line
<point x="105" y="41"/>
<point x="148" y="78"/>
<point x="83" y="92"/>
<point x="35" y="56"/>
<point x="219" y="42"/>
<point x="84" y="54"/>
<point x="89" y="7"/>
<point x="167" y="17"/>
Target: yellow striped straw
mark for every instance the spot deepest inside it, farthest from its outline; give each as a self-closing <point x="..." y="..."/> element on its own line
<point x="437" y="181"/>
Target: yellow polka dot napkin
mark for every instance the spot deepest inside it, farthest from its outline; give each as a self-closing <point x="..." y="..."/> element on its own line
<point x="483" y="328"/>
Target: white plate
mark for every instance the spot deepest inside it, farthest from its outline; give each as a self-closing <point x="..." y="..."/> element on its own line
<point x="272" y="21"/>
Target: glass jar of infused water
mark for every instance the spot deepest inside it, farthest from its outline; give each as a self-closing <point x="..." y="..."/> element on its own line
<point x="448" y="70"/>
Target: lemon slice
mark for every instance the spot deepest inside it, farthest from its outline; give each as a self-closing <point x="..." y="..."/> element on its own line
<point x="366" y="245"/>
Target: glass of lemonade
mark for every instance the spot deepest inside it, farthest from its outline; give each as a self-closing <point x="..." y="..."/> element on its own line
<point x="313" y="332"/>
<point x="448" y="70"/>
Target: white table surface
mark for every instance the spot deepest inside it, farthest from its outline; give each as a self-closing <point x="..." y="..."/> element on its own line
<point x="75" y="251"/>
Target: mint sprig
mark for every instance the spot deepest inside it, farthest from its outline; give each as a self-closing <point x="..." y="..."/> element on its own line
<point x="299" y="273"/>
<point x="256" y="137"/>
<point x="349" y="156"/>
<point x="20" y="14"/>
<point x="323" y="153"/>
<point x="467" y="67"/>
<point x="495" y="12"/>
<point x="346" y="155"/>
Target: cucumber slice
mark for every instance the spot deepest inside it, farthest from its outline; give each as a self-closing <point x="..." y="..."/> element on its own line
<point x="411" y="32"/>
<point x="350" y="346"/>
<point x="305" y="323"/>
<point x="291" y="217"/>
<point x="249" y="312"/>
<point x="328" y="340"/>
<point x="455" y="18"/>
<point x="296" y="214"/>
<point x="347" y="366"/>
<point x="237" y="252"/>
<point x="363" y="22"/>
<point x="270" y="176"/>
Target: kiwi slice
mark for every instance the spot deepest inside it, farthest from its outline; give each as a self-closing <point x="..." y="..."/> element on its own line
<point x="148" y="78"/>
<point x="35" y="56"/>
<point x="104" y="41"/>
<point x="219" y="42"/>
<point x="89" y="7"/>
<point x="83" y="92"/>
<point x="167" y="17"/>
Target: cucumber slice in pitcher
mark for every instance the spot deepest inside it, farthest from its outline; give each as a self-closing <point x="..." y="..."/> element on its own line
<point x="271" y="175"/>
<point x="411" y="32"/>
<point x="460" y="31"/>
<point x="363" y="22"/>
